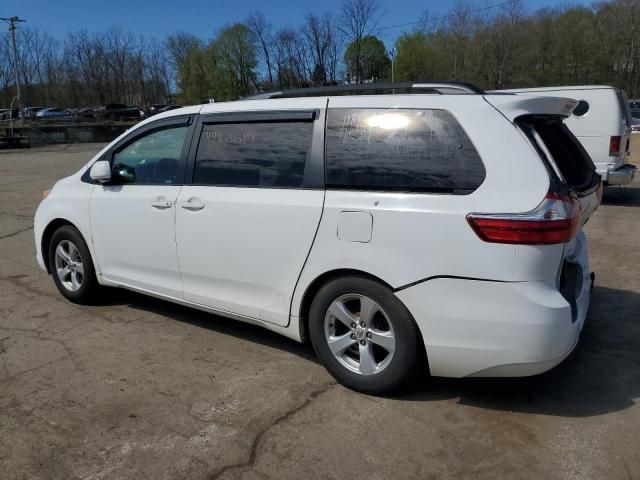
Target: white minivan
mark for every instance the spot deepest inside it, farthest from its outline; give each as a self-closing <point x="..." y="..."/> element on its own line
<point x="602" y="122"/>
<point x="395" y="226"/>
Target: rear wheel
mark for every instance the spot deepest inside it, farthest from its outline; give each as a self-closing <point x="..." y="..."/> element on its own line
<point x="364" y="335"/>
<point x="71" y="265"/>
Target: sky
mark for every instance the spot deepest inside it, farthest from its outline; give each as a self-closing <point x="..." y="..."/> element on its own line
<point x="203" y="18"/>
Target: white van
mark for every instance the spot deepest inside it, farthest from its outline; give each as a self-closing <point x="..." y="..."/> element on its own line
<point x="391" y="229"/>
<point x="602" y="123"/>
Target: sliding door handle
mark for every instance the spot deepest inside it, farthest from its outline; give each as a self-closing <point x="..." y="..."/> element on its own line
<point x="192" y="205"/>
<point x="161" y="204"/>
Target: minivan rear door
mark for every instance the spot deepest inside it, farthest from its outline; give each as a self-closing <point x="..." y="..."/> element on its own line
<point x="570" y="167"/>
<point x="565" y="158"/>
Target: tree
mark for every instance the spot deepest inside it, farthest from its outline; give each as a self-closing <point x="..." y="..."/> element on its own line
<point x="322" y="40"/>
<point x="236" y="57"/>
<point x="262" y="32"/>
<point x="292" y="59"/>
<point x="186" y="53"/>
<point x="369" y="61"/>
<point x="358" y="19"/>
<point x="496" y="47"/>
<point x="417" y="58"/>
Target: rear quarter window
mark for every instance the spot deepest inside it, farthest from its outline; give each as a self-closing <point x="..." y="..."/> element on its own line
<point x="400" y="150"/>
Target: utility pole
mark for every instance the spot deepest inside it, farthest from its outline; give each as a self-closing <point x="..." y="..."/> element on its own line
<point x="12" y="21"/>
<point x="392" y="53"/>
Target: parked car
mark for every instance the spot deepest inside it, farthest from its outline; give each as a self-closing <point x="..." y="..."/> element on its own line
<point x="155" y="108"/>
<point x="29" y="113"/>
<point x="54" y="113"/>
<point x="635" y="125"/>
<point x="84" y="112"/>
<point x="602" y="123"/>
<point x="116" y="111"/>
<point x="394" y="231"/>
<point x="167" y="108"/>
<point x="159" y="108"/>
<point x="634" y="106"/>
<point x="10" y="114"/>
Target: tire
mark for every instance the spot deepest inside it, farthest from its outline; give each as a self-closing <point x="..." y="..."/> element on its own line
<point x="72" y="268"/>
<point x="377" y="356"/>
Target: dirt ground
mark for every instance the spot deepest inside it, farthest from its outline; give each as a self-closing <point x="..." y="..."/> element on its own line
<point x="139" y="388"/>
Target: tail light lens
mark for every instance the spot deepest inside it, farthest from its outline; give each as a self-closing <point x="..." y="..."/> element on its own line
<point x="614" y="146"/>
<point x="555" y="220"/>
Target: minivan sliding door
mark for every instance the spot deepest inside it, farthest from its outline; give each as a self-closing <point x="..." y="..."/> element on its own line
<point x="247" y="220"/>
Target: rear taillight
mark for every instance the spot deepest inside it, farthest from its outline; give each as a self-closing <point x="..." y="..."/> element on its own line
<point x="555" y="220"/>
<point x="614" y="146"/>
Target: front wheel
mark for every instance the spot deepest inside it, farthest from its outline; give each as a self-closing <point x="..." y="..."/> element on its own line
<point x="364" y="335"/>
<point x="71" y="266"/>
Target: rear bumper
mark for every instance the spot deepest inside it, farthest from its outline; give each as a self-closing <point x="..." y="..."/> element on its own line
<point x="495" y="329"/>
<point x="621" y="176"/>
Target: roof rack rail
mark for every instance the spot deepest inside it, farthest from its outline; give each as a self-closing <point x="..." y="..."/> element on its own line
<point x="440" y="88"/>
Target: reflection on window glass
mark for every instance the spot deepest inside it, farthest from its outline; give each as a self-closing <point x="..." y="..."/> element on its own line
<point x="253" y="154"/>
<point x="155" y="157"/>
<point x="397" y="149"/>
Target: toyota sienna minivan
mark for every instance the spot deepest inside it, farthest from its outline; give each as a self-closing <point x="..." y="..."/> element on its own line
<point x="394" y="226"/>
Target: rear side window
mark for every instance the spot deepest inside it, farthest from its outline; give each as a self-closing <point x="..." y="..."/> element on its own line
<point x="400" y="149"/>
<point x="566" y="151"/>
<point x="269" y="154"/>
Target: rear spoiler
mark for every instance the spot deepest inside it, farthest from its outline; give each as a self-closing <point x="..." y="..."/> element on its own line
<point x="514" y="106"/>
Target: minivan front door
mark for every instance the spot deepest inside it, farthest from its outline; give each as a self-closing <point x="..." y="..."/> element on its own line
<point x="246" y="223"/>
<point x="133" y="216"/>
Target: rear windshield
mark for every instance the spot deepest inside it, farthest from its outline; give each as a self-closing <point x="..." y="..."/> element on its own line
<point x="560" y="150"/>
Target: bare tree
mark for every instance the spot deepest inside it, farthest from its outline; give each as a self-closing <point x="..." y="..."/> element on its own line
<point x="460" y="30"/>
<point x="358" y="18"/>
<point x="261" y="29"/>
<point x="317" y="35"/>
<point x="292" y="58"/>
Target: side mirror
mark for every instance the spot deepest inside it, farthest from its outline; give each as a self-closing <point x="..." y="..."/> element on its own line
<point x="100" y="171"/>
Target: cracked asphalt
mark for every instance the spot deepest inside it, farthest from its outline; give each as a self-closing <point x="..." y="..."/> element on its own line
<point x="139" y="388"/>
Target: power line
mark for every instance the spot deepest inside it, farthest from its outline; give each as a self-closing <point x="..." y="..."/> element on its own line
<point x="444" y="17"/>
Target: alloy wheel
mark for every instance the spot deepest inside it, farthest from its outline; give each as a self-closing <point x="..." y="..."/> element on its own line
<point x="69" y="266"/>
<point x="359" y="334"/>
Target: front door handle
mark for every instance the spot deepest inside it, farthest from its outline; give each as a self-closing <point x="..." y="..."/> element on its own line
<point x="192" y="204"/>
<point x="161" y="204"/>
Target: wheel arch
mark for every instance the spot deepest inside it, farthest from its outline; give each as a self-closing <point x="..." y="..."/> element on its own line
<point x="317" y="283"/>
<point x="47" y="233"/>
<point x="321" y="280"/>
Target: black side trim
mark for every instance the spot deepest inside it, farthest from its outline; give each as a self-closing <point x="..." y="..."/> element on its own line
<point x="261" y="116"/>
<point x="457" y="277"/>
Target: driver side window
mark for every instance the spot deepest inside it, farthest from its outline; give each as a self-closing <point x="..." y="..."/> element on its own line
<point x="153" y="159"/>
